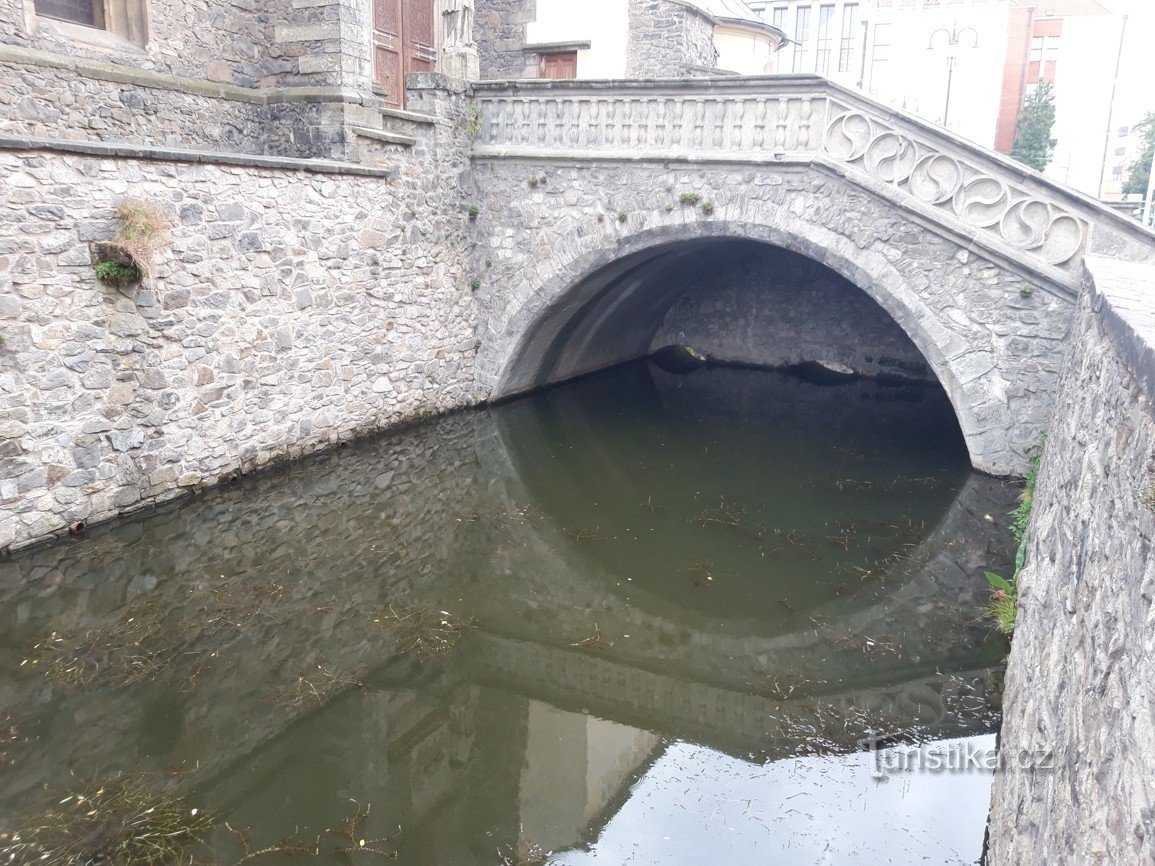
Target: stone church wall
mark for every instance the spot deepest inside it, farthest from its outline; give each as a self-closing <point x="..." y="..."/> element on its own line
<point x="298" y="305"/>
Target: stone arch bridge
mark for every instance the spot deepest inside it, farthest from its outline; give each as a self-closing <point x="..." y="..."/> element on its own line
<point x="774" y="220"/>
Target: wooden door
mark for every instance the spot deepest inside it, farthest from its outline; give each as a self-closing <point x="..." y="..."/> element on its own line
<point x="420" y="41"/>
<point x="403" y="41"/>
<point x="559" y="64"/>
<point x="387" y="44"/>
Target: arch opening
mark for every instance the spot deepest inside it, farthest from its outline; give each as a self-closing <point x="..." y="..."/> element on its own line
<point x="739" y="301"/>
<point x="606" y="306"/>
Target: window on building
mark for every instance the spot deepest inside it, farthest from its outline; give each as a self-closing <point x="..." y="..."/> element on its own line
<point x="557" y="64"/>
<point x="107" y="23"/>
<point x="822" y="56"/>
<point x="1044" y="51"/>
<point x="90" y="13"/>
<point x="778" y="17"/>
<point x="846" y="44"/>
<point x="879" y="57"/>
<point x="802" y="38"/>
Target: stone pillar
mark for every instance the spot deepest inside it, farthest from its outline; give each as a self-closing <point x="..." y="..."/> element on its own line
<point x="322" y="74"/>
<point x="462" y="63"/>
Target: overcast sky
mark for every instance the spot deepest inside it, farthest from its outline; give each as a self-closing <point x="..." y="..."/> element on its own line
<point x="1136" y="95"/>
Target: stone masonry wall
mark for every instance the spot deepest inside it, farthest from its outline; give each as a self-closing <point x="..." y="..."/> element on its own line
<point x="994" y="343"/>
<point x="1082" y="666"/>
<point x="53" y="103"/>
<point x="500" y="29"/>
<point x="292" y="310"/>
<point x="770" y="307"/>
<point x="281" y="79"/>
<point x="668" y="39"/>
<point x="212" y="40"/>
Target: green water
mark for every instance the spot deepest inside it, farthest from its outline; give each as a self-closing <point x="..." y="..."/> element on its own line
<point x="640" y="618"/>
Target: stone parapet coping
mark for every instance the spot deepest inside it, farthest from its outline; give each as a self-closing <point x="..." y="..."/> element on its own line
<point x="1123" y="297"/>
<point x="806" y="84"/>
<point x="207" y="157"/>
<point x="119" y="74"/>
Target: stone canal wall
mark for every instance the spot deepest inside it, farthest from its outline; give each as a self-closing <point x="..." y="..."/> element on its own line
<point x="1079" y="686"/>
<point x="768" y="307"/>
<point x="296" y="306"/>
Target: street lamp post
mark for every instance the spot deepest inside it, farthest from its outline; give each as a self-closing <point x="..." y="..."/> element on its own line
<point x="954" y="39"/>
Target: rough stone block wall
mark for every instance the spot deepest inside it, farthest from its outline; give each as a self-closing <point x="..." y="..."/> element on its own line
<point x="668" y="39"/>
<point x="1079" y="705"/>
<point x="54" y="103"/>
<point x="210" y="40"/>
<point x="500" y="32"/>
<point x="769" y="307"/>
<point x="292" y="310"/>
<point x="283" y="79"/>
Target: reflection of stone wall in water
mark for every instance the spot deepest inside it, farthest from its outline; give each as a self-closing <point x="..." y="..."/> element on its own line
<point x="360" y="529"/>
<point x="426" y="515"/>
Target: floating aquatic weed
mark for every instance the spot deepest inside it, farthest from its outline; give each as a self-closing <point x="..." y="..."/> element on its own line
<point x="122" y="821"/>
<point x="10" y="737"/>
<point x="704" y="569"/>
<point x="351" y="831"/>
<point x="120" y="653"/>
<point x="594" y="641"/>
<point x="782" y="686"/>
<point x="852" y="484"/>
<point x="318" y="689"/>
<point x="725" y="513"/>
<point x="524" y="853"/>
<point x="579" y="534"/>
<point x="422" y="629"/>
<point x="289" y="845"/>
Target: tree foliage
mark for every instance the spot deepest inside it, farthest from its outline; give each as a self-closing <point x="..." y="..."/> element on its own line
<point x="1033" y="143"/>
<point x="1140" y="170"/>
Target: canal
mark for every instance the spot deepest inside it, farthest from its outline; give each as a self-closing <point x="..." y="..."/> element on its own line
<point x="639" y="618"/>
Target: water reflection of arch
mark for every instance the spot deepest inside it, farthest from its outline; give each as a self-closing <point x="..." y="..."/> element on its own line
<point x="917" y="607"/>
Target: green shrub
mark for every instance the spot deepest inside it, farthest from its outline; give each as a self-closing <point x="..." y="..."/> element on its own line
<point x="117" y="274"/>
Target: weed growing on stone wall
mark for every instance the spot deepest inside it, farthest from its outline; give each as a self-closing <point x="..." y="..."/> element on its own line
<point x="1146" y="496"/>
<point x="622" y="217"/>
<point x="533" y="183"/>
<point x="1026" y="291"/>
<point x="1003" y="605"/>
<point x="3" y="340"/>
<point x="474" y="211"/>
<point x="142" y="232"/>
<point x="471" y="115"/>
<point x="707" y="207"/>
<point x="117" y="274"/>
<point x="1021" y="516"/>
<point x="475" y="284"/>
<point x="689" y="199"/>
